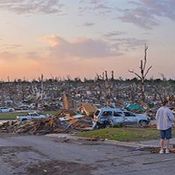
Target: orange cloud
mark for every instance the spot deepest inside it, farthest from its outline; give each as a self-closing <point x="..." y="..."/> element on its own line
<point x="52" y="40"/>
<point x="82" y="47"/>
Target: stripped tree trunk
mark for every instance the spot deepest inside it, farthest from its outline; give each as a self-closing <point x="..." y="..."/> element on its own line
<point x="143" y="72"/>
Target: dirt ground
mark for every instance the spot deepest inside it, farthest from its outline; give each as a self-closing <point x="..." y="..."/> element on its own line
<point x="32" y="162"/>
<point x="59" y="167"/>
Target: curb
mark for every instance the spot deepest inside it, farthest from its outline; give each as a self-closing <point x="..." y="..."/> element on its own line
<point x="103" y="141"/>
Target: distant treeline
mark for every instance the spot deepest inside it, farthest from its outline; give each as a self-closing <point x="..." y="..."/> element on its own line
<point x="50" y="80"/>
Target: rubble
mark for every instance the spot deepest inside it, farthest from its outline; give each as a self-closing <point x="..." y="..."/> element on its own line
<point x="46" y="125"/>
<point x="41" y="126"/>
<point x="88" y="109"/>
<point x="51" y="94"/>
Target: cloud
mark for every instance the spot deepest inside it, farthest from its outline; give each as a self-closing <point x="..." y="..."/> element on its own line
<point x="124" y="43"/>
<point x="88" y="24"/>
<point x="139" y="17"/>
<point x="143" y="13"/>
<point x="52" y="40"/>
<point x="147" y="13"/>
<point x="10" y="46"/>
<point x="32" y="6"/>
<point x="99" y="6"/>
<point x="86" y="48"/>
<point x="113" y="34"/>
<point x="81" y="48"/>
<point x="12" y="57"/>
<point x="130" y="43"/>
<point x="6" y="56"/>
<point x="33" y="55"/>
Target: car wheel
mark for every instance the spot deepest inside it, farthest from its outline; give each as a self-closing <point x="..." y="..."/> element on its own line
<point x="97" y="126"/>
<point x="143" y="123"/>
<point x="108" y="125"/>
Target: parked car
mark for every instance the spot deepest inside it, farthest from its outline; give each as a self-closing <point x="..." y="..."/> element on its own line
<point x="107" y="116"/>
<point x="6" y="109"/>
<point x="30" y="116"/>
<point x="23" y="107"/>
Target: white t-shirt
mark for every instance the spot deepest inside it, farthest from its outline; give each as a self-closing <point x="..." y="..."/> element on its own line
<point x="164" y="118"/>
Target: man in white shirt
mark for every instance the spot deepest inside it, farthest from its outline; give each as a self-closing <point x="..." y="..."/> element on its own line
<point x="165" y="120"/>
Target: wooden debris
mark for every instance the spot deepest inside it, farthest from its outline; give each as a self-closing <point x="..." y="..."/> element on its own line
<point x="45" y="125"/>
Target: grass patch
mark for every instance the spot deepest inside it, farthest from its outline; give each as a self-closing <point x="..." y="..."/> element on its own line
<point x="51" y="112"/>
<point x="123" y="134"/>
<point x="11" y="115"/>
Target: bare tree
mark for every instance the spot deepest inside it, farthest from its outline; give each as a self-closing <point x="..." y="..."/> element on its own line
<point x="143" y="72"/>
<point x="100" y="76"/>
<point x="106" y="75"/>
<point x="112" y="75"/>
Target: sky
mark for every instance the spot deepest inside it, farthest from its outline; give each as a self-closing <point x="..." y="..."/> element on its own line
<point x="82" y="38"/>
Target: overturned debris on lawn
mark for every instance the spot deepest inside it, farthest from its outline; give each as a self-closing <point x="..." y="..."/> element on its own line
<point x="46" y="125"/>
<point x="41" y="126"/>
<point x="77" y="121"/>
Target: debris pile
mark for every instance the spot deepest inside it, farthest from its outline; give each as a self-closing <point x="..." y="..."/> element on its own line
<point x="41" y="126"/>
<point x="53" y="124"/>
<point x="80" y="124"/>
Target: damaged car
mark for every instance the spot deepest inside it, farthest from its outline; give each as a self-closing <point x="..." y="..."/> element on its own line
<point x="110" y="117"/>
<point x="31" y="116"/>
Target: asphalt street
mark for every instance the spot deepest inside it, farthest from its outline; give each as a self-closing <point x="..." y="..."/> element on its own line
<point x="43" y="155"/>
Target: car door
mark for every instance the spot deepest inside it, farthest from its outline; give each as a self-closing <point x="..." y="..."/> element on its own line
<point x="130" y="118"/>
<point x="34" y="116"/>
<point x="106" y="115"/>
<point x="117" y="118"/>
<point x="31" y="116"/>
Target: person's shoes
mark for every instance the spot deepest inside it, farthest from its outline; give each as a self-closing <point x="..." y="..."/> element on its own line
<point x="167" y="151"/>
<point x="161" y="151"/>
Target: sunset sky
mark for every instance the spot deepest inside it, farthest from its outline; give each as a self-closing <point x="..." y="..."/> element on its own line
<point x="79" y="38"/>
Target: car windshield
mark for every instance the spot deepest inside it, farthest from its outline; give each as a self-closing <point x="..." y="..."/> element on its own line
<point x="34" y="114"/>
<point x="107" y="113"/>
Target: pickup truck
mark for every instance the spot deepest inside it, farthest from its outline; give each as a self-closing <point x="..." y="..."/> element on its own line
<point x="30" y="116"/>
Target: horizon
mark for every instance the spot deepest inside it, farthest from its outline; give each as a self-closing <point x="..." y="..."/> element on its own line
<point x="83" y="79"/>
<point x="82" y="38"/>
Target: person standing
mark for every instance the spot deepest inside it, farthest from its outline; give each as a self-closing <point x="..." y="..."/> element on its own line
<point x="165" y="120"/>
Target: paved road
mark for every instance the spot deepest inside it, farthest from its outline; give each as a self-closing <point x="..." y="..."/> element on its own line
<point x="43" y="155"/>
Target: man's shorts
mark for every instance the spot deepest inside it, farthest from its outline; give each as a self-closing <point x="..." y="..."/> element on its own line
<point x="166" y="134"/>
